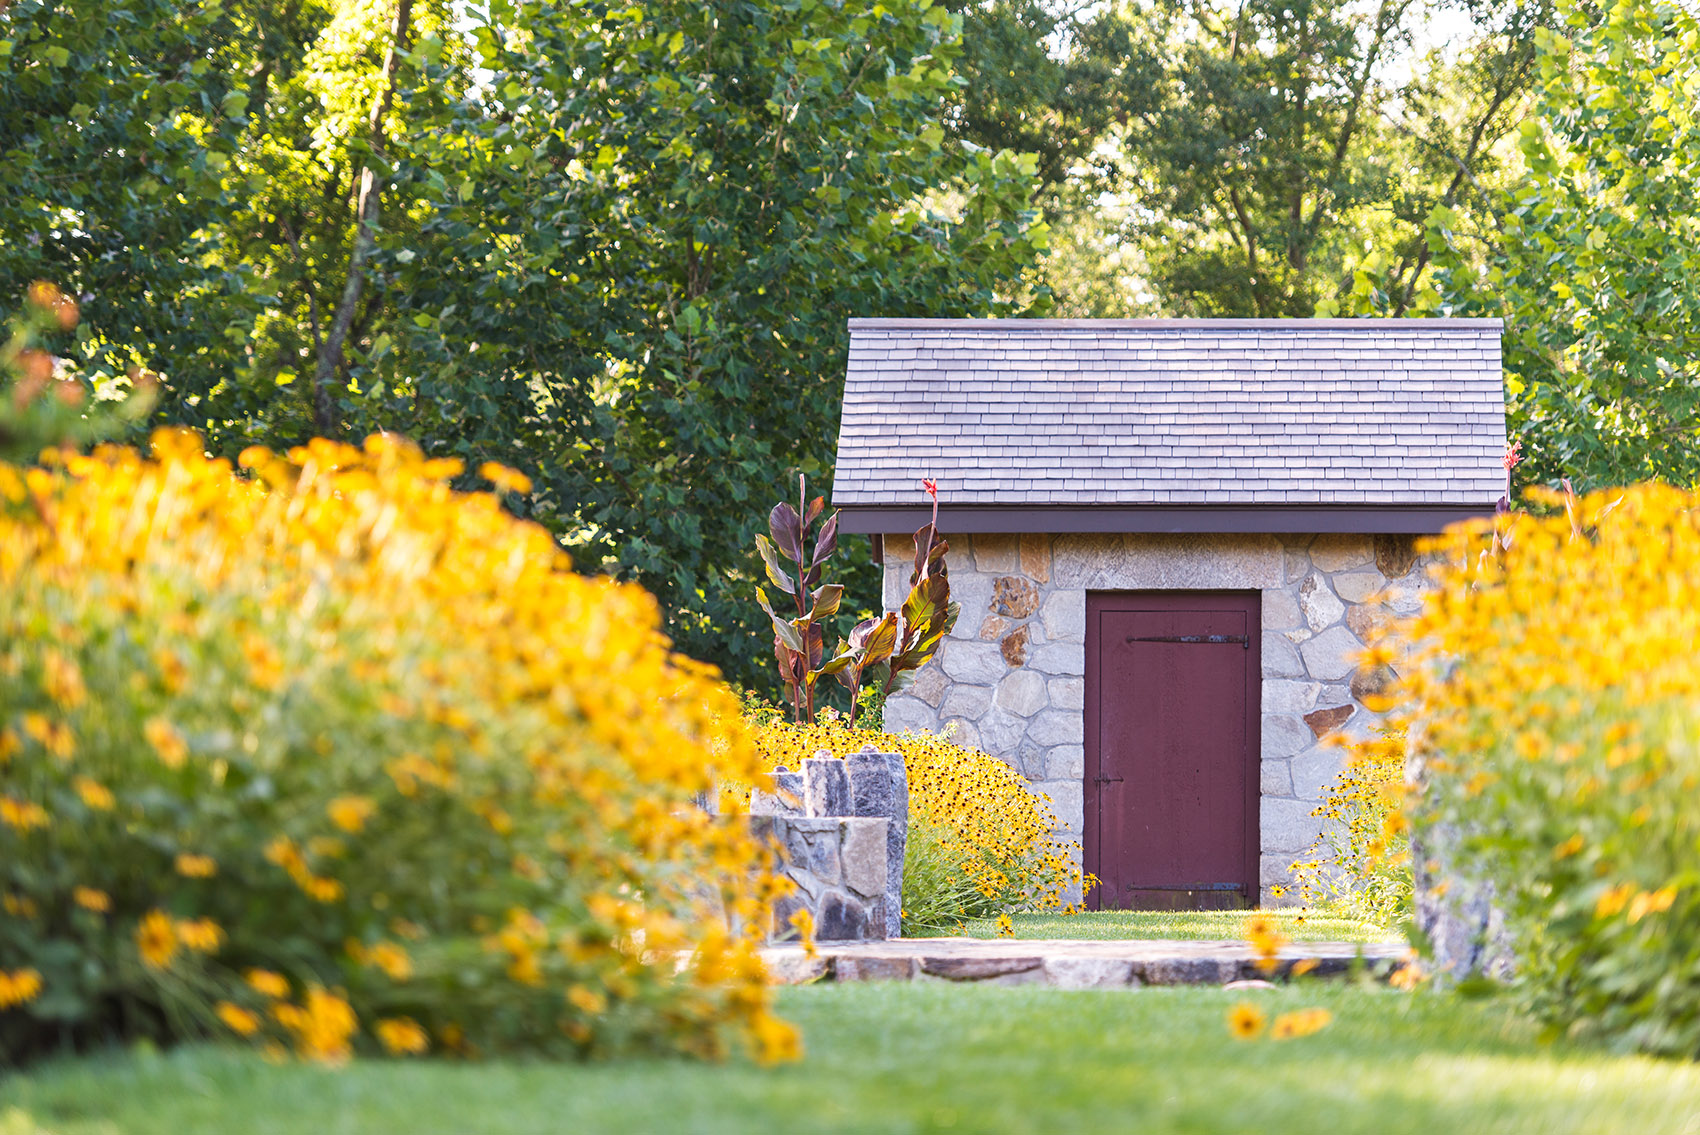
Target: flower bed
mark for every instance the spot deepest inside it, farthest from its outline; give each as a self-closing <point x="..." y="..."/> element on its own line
<point x="1558" y="699"/>
<point x="980" y="843"/>
<point x="332" y="757"/>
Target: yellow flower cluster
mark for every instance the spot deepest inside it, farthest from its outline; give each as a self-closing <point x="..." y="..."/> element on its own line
<point x="1361" y="863"/>
<point x="1246" y="1022"/>
<point x="18" y="986"/>
<point x="1266" y="938"/>
<point x="1000" y="835"/>
<point x="327" y="698"/>
<point x="1555" y="688"/>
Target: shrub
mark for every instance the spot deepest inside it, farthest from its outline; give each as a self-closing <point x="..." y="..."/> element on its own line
<point x="335" y="758"/>
<point x="1558" y="699"/>
<point x="1360" y="866"/>
<point x="967" y="810"/>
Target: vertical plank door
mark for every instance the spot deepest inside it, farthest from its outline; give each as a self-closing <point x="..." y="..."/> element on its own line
<point x="1173" y="682"/>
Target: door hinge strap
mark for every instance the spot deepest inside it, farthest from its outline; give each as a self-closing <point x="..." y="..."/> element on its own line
<point x="1243" y="640"/>
<point x="1185" y="887"/>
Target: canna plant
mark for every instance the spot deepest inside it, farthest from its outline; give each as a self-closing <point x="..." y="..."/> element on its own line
<point x="799" y="643"/>
<point x="884" y="651"/>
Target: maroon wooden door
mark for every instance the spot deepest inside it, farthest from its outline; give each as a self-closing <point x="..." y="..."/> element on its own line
<point x="1173" y="683"/>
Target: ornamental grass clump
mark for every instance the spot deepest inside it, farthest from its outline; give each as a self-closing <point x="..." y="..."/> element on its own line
<point x="1556" y="696"/>
<point x="330" y="758"/>
<point x="981" y="844"/>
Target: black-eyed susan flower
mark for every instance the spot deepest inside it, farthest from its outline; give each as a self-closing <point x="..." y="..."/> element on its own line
<point x="1245" y="1021"/>
<point x="156" y="939"/>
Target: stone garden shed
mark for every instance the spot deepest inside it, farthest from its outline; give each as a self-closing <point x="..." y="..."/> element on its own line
<point x="1169" y="539"/>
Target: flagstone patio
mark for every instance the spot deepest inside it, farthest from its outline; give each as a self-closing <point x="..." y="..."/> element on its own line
<point x="1067" y="963"/>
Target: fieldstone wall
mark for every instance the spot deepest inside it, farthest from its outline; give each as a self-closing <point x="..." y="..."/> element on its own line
<point x="841" y="828"/>
<point x="1011" y="680"/>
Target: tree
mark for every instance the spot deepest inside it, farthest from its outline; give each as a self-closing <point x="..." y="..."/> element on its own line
<point x="617" y="247"/>
<point x="1253" y="158"/>
<point x="1596" y="268"/>
<point x="119" y="124"/>
<point x="637" y="289"/>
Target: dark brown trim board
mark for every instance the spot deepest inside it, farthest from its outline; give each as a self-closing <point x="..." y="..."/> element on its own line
<point x="1368" y="519"/>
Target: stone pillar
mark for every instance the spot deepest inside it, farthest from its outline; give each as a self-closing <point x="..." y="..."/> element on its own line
<point x="838" y="866"/>
<point x="786" y="799"/>
<point x="879" y="786"/>
<point x="826" y="787"/>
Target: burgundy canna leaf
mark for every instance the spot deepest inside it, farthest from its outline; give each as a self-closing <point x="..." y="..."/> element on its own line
<point x="786" y="528"/>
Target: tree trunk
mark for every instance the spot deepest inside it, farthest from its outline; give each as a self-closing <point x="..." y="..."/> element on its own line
<point x="365" y="226"/>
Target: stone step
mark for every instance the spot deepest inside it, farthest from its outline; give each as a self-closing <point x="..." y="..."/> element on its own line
<point x="1067" y="963"/>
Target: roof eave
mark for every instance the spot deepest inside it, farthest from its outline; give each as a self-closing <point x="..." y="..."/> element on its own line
<point x="1415" y="518"/>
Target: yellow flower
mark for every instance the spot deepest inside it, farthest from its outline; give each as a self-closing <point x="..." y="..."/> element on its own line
<point x="22" y="814"/>
<point x="264" y="662"/>
<point x="321" y="889"/>
<point x="1568" y="848"/>
<point x="156" y="939"/>
<point x="322" y="1027"/>
<point x="1614" y="900"/>
<point x="1302" y="967"/>
<point x="90" y="899"/>
<point x="350" y="813"/>
<point x="167" y="742"/>
<point x="1651" y="902"/>
<point x="200" y="934"/>
<point x="238" y="1020"/>
<point x="402" y="1036"/>
<point x="505" y="479"/>
<point x="54" y="736"/>
<point x="392" y="959"/>
<point x="18" y="987"/>
<point x="266" y="983"/>
<point x="192" y="866"/>
<point x="62" y="680"/>
<point x="1245" y="1021"/>
<point x="1302" y="1023"/>
<point x="1006" y="928"/>
<point x="173" y="674"/>
<point x="777" y="1041"/>
<point x="587" y="1001"/>
<point x="94" y="794"/>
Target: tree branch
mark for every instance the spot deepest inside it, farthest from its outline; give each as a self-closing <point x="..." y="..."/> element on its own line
<point x="365" y="226"/>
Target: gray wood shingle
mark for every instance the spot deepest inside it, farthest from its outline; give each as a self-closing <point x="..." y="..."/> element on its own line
<point x="1407" y="411"/>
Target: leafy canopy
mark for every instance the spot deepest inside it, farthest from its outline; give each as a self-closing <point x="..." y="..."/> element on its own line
<point x="617" y="250"/>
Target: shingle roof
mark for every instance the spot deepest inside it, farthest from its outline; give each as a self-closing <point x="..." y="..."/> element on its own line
<point x="1025" y="412"/>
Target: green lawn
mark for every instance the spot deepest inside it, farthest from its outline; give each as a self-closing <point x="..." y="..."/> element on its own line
<point x="1110" y="924"/>
<point x="932" y="1057"/>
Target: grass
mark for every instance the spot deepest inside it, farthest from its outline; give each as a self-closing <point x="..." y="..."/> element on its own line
<point x="929" y="1058"/>
<point x="1116" y="924"/>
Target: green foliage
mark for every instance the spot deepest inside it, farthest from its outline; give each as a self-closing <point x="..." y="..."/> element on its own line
<point x="651" y="274"/>
<point x="617" y="247"/>
<point x="1597" y="271"/>
<point x="1257" y="159"/>
<point x="120" y="121"/>
<point x="938" y="896"/>
<point x="1041" y="79"/>
<point x="43" y="406"/>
